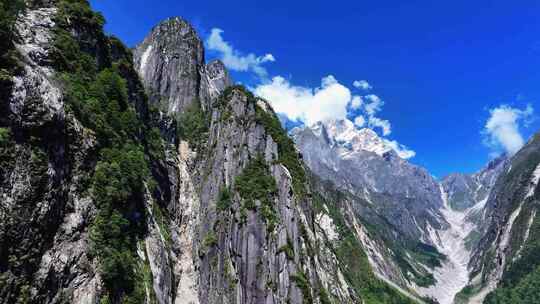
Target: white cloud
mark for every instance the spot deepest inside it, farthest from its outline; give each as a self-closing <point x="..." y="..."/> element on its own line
<point x="356" y="102"/>
<point x="400" y="149"/>
<point x="359" y="121"/>
<point x="384" y="125"/>
<point x="362" y="84"/>
<point x="375" y="104"/>
<point x="268" y="58"/>
<point x="234" y="59"/>
<point x="329" y="101"/>
<point x="502" y="128"/>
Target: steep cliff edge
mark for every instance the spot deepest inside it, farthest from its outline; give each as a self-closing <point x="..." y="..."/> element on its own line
<point x="194" y="195"/>
<point x="505" y="261"/>
<point x="419" y="232"/>
<point x="146" y="176"/>
<point x="256" y="235"/>
<point x="172" y="66"/>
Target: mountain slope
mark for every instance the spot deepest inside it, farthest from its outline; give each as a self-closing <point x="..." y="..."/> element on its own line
<point x="505" y="257"/>
<point x="358" y="161"/>
<point x="429" y="226"/>
<point x="195" y="194"/>
<point x="145" y="176"/>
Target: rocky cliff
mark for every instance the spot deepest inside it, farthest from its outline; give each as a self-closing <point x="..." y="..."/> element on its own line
<point x="420" y="231"/>
<point x="360" y="162"/>
<point x="172" y="67"/>
<point x="144" y="177"/>
<point x="504" y="263"/>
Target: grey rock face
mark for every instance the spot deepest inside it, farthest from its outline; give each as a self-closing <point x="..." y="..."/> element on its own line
<point x="466" y="190"/>
<point x="510" y="212"/>
<point x="169" y="61"/>
<point x="216" y="78"/>
<point x="201" y="252"/>
<point x="43" y="216"/>
<point x="171" y="64"/>
<point x="404" y="201"/>
<point x="405" y="194"/>
<point x="246" y="263"/>
<point x="198" y="253"/>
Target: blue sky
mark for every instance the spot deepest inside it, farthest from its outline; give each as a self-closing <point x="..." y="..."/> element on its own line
<point x="439" y="67"/>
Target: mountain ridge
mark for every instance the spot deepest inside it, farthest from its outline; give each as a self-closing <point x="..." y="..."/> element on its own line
<point x="457" y="219"/>
<point x="147" y="176"/>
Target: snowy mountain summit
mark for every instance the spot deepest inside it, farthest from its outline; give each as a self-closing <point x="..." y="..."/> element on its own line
<point x="343" y="133"/>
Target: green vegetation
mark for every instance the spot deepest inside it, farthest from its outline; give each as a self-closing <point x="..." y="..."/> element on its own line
<point x="466" y="293"/>
<point x="421" y="253"/>
<point x="521" y="280"/>
<point x="428" y="255"/>
<point x="162" y="221"/>
<point x="96" y="93"/>
<point x="525" y="291"/>
<point x="303" y="283"/>
<point x="118" y="182"/>
<point x="256" y="184"/>
<point x="521" y="275"/>
<point x="288" y="156"/>
<point x="472" y="239"/>
<point x="4" y="136"/>
<point x="354" y="262"/>
<point x="229" y="275"/>
<point x="224" y="200"/>
<point x="69" y="54"/>
<point x="288" y="249"/>
<point x="155" y="144"/>
<point x="210" y="240"/>
<point x="9" y="58"/>
<point x="323" y="296"/>
<point x="148" y="279"/>
<point x="9" y="11"/>
<point x="193" y="124"/>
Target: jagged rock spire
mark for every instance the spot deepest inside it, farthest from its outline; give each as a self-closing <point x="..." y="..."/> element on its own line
<point x="171" y="64"/>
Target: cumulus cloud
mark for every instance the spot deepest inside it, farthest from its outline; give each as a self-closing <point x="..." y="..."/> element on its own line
<point x="362" y="84"/>
<point x="501" y="132"/>
<point x="384" y="125"/>
<point x="236" y="60"/>
<point x="375" y="104"/>
<point x="356" y="102"/>
<point x="400" y="149"/>
<point x="359" y="121"/>
<point x="329" y="101"/>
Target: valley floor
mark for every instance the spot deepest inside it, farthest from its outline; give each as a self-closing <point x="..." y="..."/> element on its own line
<point x="453" y="275"/>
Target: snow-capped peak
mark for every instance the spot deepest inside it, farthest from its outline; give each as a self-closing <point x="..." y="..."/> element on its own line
<point x="343" y="133"/>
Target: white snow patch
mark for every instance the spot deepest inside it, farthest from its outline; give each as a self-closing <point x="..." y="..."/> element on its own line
<point x="502" y="247"/>
<point x="534" y="181"/>
<point x="367" y="196"/>
<point x="529" y="224"/>
<point x="526" y="236"/>
<point x="478" y="206"/>
<point x="344" y="131"/>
